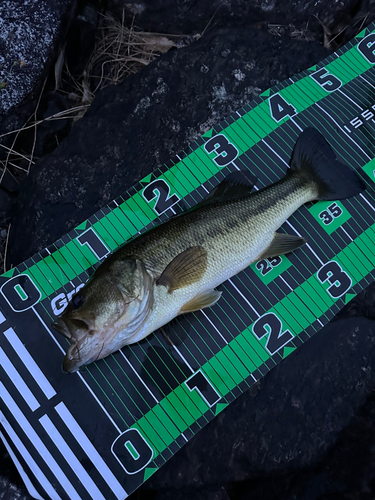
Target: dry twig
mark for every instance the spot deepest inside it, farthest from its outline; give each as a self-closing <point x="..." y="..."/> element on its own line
<point x="6" y="249"/>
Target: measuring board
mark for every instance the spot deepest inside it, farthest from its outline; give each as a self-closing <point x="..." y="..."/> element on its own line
<point x="101" y="432"/>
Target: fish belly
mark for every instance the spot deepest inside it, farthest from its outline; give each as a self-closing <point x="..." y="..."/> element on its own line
<point x="221" y="266"/>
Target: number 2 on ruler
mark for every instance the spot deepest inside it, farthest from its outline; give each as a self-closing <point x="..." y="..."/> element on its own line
<point x="271" y="324"/>
<point x="160" y="190"/>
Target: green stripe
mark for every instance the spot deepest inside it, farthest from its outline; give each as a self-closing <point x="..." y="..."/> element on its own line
<point x="231" y="365"/>
<point x="61" y="268"/>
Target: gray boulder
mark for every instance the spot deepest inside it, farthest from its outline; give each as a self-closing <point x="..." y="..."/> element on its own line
<point x="30" y="32"/>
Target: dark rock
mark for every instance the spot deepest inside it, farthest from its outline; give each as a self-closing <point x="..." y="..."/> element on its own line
<point x="138" y="125"/>
<point x="10" y="491"/>
<point x="31" y="35"/>
<point x="192" y="17"/>
<point x="49" y="133"/>
<point x="346" y="472"/>
<point x="363" y="304"/>
<point x="218" y="493"/>
<point x="6" y="206"/>
<point x="80" y="40"/>
<point x="289" y="420"/>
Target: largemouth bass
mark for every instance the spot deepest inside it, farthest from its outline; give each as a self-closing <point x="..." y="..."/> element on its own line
<point x="174" y="268"/>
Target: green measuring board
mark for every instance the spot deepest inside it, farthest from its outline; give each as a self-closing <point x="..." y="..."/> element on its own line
<point x="101" y="432"/>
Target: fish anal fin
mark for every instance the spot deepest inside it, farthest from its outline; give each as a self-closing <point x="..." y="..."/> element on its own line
<point x="200" y="301"/>
<point x="282" y="244"/>
<point x="186" y="268"/>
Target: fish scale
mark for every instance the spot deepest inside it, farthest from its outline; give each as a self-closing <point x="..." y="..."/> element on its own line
<point x="222" y="227"/>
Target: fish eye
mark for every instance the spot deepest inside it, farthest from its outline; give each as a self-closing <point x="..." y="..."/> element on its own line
<point x="77" y="301"/>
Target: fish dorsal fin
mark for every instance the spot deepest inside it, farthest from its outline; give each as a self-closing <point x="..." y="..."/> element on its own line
<point x="235" y="186"/>
<point x="186" y="268"/>
<point x="282" y="244"/>
<point x="205" y="299"/>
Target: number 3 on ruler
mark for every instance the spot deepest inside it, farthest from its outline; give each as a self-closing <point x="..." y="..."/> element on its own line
<point x="339" y="280"/>
<point x="225" y="151"/>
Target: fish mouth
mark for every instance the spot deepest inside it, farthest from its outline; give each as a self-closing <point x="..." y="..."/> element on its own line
<point x="75" y="358"/>
<point x="62" y="328"/>
<point x="72" y="328"/>
<point x="83" y="349"/>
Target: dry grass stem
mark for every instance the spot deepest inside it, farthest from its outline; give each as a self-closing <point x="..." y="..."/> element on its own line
<point x="61" y="115"/>
<point x="6" y="249"/>
<point x="25" y="157"/>
<point x="167" y="337"/>
<point x="363" y="19"/>
<point x="123" y="50"/>
<point x="11" y="149"/>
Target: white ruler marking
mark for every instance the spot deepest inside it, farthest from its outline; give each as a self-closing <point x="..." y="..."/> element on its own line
<point x="18" y="381"/>
<point x="29" y="362"/>
<point x="245" y="299"/>
<point x="366" y="200"/>
<point x="70" y="458"/>
<point x="139" y="377"/>
<point x="296" y="124"/>
<point x="363" y="78"/>
<point x="273" y="151"/>
<point x="287" y="284"/>
<point x="182" y="357"/>
<point x="90" y="451"/>
<point x="38" y="444"/>
<point x="350" y="99"/>
<point x="30" y="462"/>
<point x="348" y="235"/>
<point x="341" y="128"/>
<point x="307" y="244"/>
<point x="218" y="331"/>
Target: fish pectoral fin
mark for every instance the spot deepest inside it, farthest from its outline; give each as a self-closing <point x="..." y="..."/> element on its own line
<point x="205" y="299"/>
<point x="282" y="244"/>
<point x="186" y="268"/>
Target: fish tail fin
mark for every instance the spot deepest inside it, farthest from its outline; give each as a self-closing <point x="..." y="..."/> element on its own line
<point x="314" y="160"/>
